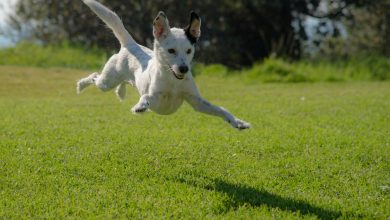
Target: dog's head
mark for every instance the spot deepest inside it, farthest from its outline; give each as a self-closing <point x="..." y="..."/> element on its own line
<point x="175" y="47"/>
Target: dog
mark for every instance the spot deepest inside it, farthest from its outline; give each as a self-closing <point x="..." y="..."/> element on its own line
<point x="162" y="76"/>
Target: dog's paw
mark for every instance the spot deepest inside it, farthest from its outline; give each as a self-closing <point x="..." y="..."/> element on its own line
<point x="80" y="86"/>
<point x="138" y="109"/>
<point x="239" y="124"/>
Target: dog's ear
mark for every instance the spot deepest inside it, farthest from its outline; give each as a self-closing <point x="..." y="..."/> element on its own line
<point x="161" y="27"/>
<point x="193" y="29"/>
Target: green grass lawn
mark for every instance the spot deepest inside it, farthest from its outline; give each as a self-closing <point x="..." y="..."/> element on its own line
<point x="316" y="150"/>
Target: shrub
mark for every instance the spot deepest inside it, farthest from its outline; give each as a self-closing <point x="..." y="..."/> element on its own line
<point x="276" y="70"/>
<point x="63" y="55"/>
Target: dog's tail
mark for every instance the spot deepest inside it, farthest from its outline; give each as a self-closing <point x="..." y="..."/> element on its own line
<point x="112" y="20"/>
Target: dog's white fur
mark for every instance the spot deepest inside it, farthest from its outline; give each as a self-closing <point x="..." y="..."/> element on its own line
<point x="160" y="76"/>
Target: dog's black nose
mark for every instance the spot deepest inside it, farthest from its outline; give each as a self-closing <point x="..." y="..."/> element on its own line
<point x="183" y="69"/>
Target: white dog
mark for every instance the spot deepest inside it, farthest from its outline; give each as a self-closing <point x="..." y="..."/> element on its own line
<point x="163" y="76"/>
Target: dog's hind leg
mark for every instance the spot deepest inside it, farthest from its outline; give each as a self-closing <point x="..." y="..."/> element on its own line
<point x="85" y="82"/>
<point x="112" y="74"/>
<point x="121" y="91"/>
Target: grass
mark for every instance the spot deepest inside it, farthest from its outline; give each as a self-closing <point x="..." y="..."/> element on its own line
<point x="316" y="150"/>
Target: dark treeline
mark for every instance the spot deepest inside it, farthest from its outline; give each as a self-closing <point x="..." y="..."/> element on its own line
<point x="234" y="32"/>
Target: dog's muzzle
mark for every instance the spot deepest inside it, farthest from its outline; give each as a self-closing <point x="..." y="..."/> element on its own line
<point x="177" y="76"/>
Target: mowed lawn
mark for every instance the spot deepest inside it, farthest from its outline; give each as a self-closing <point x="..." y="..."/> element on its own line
<point x="316" y="150"/>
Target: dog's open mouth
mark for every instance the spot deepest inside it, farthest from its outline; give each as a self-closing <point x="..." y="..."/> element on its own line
<point x="178" y="76"/>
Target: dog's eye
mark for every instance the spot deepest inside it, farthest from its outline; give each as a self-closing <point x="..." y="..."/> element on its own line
<point x="172" y="51"/>
<point x="189" y="51"/>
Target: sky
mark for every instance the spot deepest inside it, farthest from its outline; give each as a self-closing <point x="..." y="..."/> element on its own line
<point x="5" y="9"/>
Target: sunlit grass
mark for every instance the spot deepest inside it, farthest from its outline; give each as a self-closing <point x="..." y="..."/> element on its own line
<point x="316" y="150"/>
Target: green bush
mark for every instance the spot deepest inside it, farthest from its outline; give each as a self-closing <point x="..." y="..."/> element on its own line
<point x="359" y="68"/>
<point x="378" y="67"/>
<point x="276" y="70"/>
<point x="211" y="69"/>
<point x="63" y="55"/>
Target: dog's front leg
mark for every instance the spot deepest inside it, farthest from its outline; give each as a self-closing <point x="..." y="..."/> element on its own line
<point x="202" y="105"/>
<point x="142" y="105"/>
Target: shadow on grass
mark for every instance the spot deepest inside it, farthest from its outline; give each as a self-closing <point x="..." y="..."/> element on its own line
<point x="241" y="195"/>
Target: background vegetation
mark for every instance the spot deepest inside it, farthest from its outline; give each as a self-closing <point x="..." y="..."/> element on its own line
<point x="358" y="68"/>
<point x="234" y="33"/>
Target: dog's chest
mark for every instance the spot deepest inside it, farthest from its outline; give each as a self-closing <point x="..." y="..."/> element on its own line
<point x="166" y="102"/>
<point x="167" y="93"/>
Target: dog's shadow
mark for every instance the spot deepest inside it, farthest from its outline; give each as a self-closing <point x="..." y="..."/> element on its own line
<point x="241" y="195"/>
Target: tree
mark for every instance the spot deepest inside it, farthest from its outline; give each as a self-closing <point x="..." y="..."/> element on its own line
<point x="367" y="23"/>
<point x="234" y="32"/>
<point x="370" y="28"/>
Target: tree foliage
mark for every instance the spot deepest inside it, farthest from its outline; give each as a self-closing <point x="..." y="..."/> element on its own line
<point x="370" y="28"/>
<point x="234" y="32"/>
